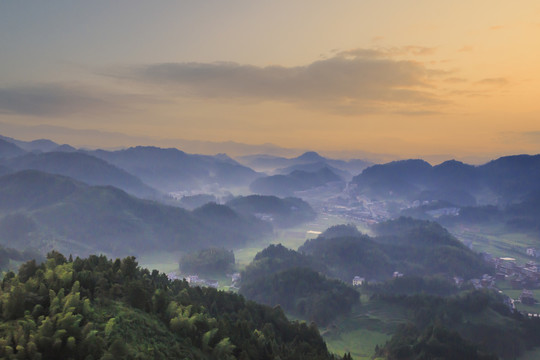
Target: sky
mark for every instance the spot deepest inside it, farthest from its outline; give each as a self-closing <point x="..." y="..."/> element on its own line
<point x="414" y="78"/>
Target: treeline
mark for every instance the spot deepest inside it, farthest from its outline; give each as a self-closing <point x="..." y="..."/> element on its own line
<point x="409" y="285"/>
<point x="97" y="308"/>
<point x="478" y="317"/>
<point x="278" y="275"/>
<point x="305" y="293"/>
<point x="412" y="247"/>
<point x="435" y="342"/>
<point x="41" y="210"/>
<point x="9" y="256"/>
<point x="522" y="216"/>
<point x="300" y="280"/>
<point x="286" y="212"/>
<point x="210" y="261"/>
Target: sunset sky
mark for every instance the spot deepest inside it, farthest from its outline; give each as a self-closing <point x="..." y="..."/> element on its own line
<point x="409" y="78"/>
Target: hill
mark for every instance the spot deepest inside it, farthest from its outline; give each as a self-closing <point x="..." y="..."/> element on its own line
<point x="287" y="185"/>
<point x="8" y="150"/>
<point x="283" y="213"/>
<point x="501" y="181"/>
<point x="97" y="308"/>
<point x="314" y="167"/>
<point x="272" y="163"/>
<point x="482" y="318"/>
<point x="305" y="293"/>
<point x="275" y="259"/>
<point x="412" y="247"/>
<point x="278" y="275"/>
<point x="174" y="170"/>
<point x="66" y="214"/>
<point x="82" y="167"/>
<point x="39" y="145"/>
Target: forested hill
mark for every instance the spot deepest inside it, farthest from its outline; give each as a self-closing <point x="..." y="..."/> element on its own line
<point x="284" y="213"/>
<point x="301" y="281"/>
<point x="506" y="180"/>
<point x="8" y="149"/>
<point x="86" y="168"/>
<point x="286" y="185"/>
<point x="412" y="247"/>
<point x="282" y="276"/>
<point x="172" y="170"/>
<point x="51" y="210"/>
<point x="97" y="308"/>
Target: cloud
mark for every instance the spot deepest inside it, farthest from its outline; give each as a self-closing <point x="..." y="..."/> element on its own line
<point x="50" y="100"/>
<point x="455" y="80"/>
<point x="466" y="49"/>
<point x="353" y="81"/>
<point x="389" y="52"/>
<point x="531" y="137"/>
<point x="499" y="81"/>
<point x="521" y="137"/>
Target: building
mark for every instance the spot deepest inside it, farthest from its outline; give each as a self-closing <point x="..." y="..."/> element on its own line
<point x="235" y="277"/>
<point x="358" y="281"/>
<point x="531" y="252"/>
<point x="193" y="279"/>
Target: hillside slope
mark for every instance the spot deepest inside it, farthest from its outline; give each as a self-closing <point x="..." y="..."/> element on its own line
<point x="66" y="214"/>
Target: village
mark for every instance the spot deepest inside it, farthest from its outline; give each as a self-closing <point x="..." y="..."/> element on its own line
<point x="195" y="280"/>
<point x="524" y="278"/>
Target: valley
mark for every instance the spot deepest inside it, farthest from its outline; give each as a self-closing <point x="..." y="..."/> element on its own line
<point x="381" y="226"/>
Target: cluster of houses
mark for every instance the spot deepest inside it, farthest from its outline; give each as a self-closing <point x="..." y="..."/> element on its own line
<point x="194" y="280"/>
<point x="359" y="281"/>
<point x="235" y="281"/>
<point x="525" y="276"/>
<point x="486" y="281"/>
<point x="520" y="277"/>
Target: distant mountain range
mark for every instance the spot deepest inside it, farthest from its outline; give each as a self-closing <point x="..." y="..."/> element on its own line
<point x="45" y="211"/>
<point x="173" y="170"/>
<point x="40" y="145"/>
<point x="287" y="185"/>
<point x="146" y="171"/>
<point x="8" y="149"/>
<point x="308" y="161"/>
<point x="505" y="180"/>
<point x="82" y="167"/>
<point x="284" y="213"/>
<point x="139" y="170"/>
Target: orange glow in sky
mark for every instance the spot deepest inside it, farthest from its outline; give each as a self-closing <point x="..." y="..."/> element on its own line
<point x="413" y="79"/>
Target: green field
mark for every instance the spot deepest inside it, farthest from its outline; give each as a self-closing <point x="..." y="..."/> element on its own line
<point x="359" y="342"/>
<point x="369" y="324"/>
<point x="495" y="240"/>
<point x="292" y="238"/>
<point x="163" y="261"/>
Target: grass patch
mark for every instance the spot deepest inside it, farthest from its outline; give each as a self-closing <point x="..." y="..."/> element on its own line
<point x="292" y="238"/>
<point x="506" y="288"/>
<point x="360" y="342"/>
<point x="163" y="261"/>
<point x="496" y="240"/>
<point x="369" y="324"/>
